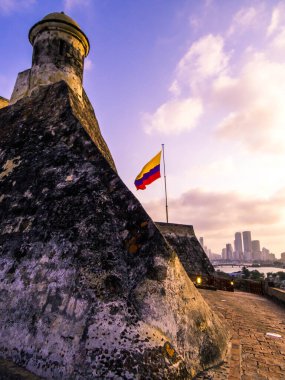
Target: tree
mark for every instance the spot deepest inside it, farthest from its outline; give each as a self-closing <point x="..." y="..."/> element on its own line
<point x="256" y="275"/>
<point x="281" y="275"/>
<point x="245" y="272"/>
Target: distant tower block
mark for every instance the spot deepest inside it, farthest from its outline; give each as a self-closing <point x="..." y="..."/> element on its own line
<point x="60" y="47"/>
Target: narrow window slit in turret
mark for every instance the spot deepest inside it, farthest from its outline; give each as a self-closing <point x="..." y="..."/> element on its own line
<point x="61" y="47"/>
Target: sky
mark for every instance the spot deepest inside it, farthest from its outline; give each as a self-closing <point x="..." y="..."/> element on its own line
<point x="204" y="77"/>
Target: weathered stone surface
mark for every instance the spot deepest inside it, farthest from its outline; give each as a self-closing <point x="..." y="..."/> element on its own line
<point x="10" y="371"/>
<point x="185" y="243"/>
<point x="3" y="102"/>
<point x="89" y="287"/>
<point x="59" y="49"/>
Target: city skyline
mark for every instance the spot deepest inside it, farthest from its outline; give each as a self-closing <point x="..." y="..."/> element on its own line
<point x="244" y="248"/>
<point x="206" y="79"/>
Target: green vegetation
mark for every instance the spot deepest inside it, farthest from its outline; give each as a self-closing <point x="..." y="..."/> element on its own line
<point x="278" y="279"/>
<point x="252" y="275"/>
<point x="245" y="272"/>
<point x="281" y="275"/>
<point x="256" y="275"/>
<point x="222" y="274"/>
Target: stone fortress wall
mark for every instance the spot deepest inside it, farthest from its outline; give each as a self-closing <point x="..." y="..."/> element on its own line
<point x="59" y="49"/>
<point x="185" y="243"/>
<point x="89" y="287"/>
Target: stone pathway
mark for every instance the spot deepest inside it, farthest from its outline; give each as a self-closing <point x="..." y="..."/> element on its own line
<point x="253" y="355"/>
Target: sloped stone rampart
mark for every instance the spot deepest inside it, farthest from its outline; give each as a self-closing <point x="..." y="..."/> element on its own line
<point x="185" y="243"/>
<point x="89" y="288"/>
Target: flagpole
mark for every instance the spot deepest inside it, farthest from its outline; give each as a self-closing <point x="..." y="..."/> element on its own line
<point x="166" y="205"/>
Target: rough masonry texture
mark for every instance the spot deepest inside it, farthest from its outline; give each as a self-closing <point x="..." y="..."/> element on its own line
<point x="183" y="240"/>
<point x="3" y="102"/>
<point x="59" y="49"/>
<point x="89" y="287"/>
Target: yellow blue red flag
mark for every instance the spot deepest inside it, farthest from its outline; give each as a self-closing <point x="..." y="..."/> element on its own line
<point x="149" y="173"/>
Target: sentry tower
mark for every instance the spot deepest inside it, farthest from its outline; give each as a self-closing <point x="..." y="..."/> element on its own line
<point x="59" y="50"/>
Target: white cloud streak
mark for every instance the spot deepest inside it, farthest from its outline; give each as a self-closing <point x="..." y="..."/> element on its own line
<point x="69" y="5"/>
<point x="245" y="18"/>
<point x="210" y="210"/>
<point x="88" y="64"/>
<point x="277" y="19"/>
<point x="256" y="114"/>
<point x="238" y="79"/>
<point x="204" y="59"/>
<point x="218" y="215"/>
<point x="174" y="117"/>
<point x="10" y="6"/>
<point x="249" y="103"/>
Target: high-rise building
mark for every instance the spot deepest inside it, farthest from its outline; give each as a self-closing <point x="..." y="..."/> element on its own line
<point x="216" y="256"/>
<point x="246" y="236"/>
<point x="256" y="253"/>
<point x="271" y="257"/>
<point x="236" y="256"/>
<point x="229" y="252"/>
<point x="238" y="246"/>
<point x="224" y="255"/>
<point x="201" y="241"/>
<point x="265" y="254"/>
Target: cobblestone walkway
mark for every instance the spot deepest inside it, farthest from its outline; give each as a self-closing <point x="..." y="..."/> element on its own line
<point x="253" y="354"/>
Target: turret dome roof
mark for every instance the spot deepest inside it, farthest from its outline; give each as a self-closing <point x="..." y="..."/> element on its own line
<point x="60" y="21"/>
<point x="60" y="16"/>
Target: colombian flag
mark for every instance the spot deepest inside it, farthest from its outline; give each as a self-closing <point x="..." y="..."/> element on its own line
<point x="150" y="172"/>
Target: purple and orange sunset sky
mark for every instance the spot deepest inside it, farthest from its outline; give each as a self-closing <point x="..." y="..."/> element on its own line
<point x="204" y="77"/>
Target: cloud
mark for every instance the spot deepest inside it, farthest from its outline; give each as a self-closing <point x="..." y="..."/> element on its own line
<point x="195" y="22"/>
<point x="244" y="93"/>
<point x="71" y="4"/>
<point x="88" y="64"/>
<point x="254" y="100"/>
<point x="251" y="127"/>
<point x="278" y="42"/>
<point x="218" y="215"/>
<point x="204" y="59"/>
<point x="277" y="19"/>
<point x="10" y="6"/>
<point x="213" y="210"/>
<point x="174" y="116"/>
<point x="240" y="85"/>
<point x="243" y="19"/>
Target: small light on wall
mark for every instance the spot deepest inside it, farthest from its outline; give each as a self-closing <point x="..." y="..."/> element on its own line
<point x="232" y="282"/>
<point x="199" y="280"/>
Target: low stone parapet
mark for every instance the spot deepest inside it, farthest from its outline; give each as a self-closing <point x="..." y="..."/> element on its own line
<point x="276" y="293"/>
